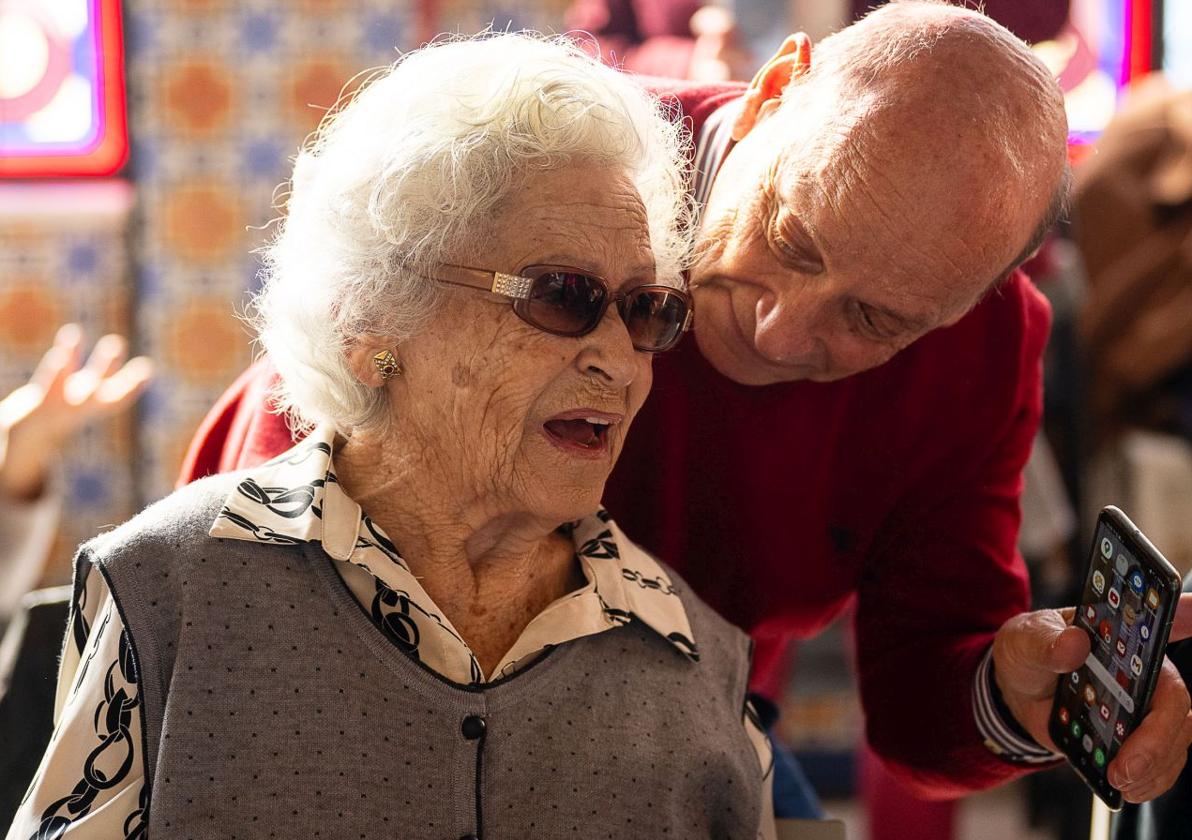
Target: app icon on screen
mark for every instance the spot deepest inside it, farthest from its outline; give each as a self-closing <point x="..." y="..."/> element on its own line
<point x="1144" y="631"/>
<point x="1120" y="647"/>
<point x="1123" y="679"/>
<point x="1136" y="664"/>
<point x="1077" y="729"/>
<point x="1105" y="631"/>
<point x="1152" y="598"/>
<point x="1075" y="678"/>
<point x="1098" y="582"/>
<point x="1119" y="729"/>
<point x="1114" y="597"/>
<point x="1087" y="743"/>
<point x="1065" y="717"/>
<point x="1106" y="548"/>
<point x="1090" y="613"/>
<point x="1136" y="580"/>
<point x="1090" y="694"/>
<point x="1121" y="565"/>
<point x="1104" y="710"/>
<point x="1099" y="757"/>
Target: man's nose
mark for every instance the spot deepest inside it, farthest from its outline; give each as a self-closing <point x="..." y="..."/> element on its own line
<point x="787" y="329"/>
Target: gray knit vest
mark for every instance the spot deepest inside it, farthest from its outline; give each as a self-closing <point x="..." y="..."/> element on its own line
<point x="272" y="706"/>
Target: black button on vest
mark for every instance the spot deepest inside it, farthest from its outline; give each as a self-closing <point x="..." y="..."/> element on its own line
<point x="473" y="728"/>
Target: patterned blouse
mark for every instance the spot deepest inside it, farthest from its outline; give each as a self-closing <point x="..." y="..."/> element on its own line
<point x="89" y="784"/>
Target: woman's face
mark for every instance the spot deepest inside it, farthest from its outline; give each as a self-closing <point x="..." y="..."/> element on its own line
<point x="499" y="407"/>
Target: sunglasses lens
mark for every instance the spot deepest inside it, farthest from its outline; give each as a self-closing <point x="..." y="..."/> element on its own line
<point x="563" y="302"/>
<point x="655" y="317"/>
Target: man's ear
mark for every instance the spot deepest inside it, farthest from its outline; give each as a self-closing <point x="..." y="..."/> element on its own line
<point x="764" y="94"/>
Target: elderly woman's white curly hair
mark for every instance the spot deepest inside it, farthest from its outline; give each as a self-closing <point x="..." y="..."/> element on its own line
<point x="404" y="178"/>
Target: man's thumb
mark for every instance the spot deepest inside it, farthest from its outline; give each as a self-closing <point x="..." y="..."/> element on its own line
<point x="1068" y="650"/>
<point x="1032" y="648"/>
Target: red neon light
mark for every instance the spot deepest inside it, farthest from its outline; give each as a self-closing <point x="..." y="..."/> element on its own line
<point x="110" y="150"/>
<point x="1138" y="35"/>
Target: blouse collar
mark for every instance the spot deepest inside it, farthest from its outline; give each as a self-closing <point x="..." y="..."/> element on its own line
<point x="295" y="498"/>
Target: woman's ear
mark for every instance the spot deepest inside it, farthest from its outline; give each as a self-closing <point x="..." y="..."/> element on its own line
<point x="373" y="362"/>
<point x="764" y="93"/>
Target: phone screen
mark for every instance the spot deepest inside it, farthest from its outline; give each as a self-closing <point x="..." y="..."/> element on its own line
<point x="1126" y="609"/>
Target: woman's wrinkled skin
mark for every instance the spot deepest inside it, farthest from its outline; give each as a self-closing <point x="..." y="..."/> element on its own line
<point x="462" y="477"/>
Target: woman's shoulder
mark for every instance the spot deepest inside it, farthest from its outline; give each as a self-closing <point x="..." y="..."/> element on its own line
<point x="181" y="520"/>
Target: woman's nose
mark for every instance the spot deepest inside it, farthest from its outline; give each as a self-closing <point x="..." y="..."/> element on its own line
<point x="608" y="352"/>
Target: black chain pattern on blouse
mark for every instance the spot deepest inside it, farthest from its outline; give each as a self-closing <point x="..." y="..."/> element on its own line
<point x="111" y="761"/>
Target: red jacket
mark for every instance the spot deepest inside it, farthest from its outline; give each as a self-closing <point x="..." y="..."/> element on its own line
<point x="780" y="504"/>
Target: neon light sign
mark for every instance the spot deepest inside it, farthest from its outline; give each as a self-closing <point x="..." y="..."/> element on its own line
<point x="61" y="88"/>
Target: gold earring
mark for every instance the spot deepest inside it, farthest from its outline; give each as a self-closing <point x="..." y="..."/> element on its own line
<point x="386" y="364"/>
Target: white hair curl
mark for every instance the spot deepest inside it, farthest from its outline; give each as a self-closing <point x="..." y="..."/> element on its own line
<point x="403" y="178"/>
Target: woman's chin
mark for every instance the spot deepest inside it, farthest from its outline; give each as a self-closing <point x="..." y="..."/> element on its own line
<point x="561" y="503"/>
<point x="569" y="481"/>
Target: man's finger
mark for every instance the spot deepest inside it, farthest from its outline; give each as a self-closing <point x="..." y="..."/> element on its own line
<point x="1181" y="627"/>
<point x="1147" y="751"/>
<point x="1162" y="782"/>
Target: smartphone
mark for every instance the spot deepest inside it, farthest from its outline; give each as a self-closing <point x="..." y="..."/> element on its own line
<point x="1127" y="606"/>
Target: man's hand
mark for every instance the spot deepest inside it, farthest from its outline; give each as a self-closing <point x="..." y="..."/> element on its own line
<point x="64" y="394"/>
<point x="1030" y="652"/>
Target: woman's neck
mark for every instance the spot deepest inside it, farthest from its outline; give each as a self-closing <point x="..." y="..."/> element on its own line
<point x="489" y="570"/>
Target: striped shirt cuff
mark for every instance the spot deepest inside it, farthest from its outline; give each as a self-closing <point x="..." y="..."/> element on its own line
<point x="1003" y="735"/>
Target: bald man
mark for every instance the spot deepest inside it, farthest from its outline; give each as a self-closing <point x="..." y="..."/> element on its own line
<point x="852" y="420"/>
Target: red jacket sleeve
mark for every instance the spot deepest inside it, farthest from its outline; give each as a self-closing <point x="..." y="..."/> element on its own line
<point x="945" y="573"/>
<point x="240" y="430"/>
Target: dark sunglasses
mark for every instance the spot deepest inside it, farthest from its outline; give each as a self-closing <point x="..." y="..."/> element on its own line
<point x="569" y="302"/>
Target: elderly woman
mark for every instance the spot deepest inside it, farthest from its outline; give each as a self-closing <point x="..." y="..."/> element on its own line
<point x="419" y="622"/>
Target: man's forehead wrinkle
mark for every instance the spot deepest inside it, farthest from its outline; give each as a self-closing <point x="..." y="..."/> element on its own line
<point x="882" y="235"/>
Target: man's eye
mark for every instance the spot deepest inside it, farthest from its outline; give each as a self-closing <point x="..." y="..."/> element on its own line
<point x="792" y="255"/>
<point x="788" y="250"/>
<point x="871" y="324"/>
<point x="866" y="318"/>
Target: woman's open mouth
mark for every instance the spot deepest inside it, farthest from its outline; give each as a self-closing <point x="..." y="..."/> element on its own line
<point x="583" y="432"/>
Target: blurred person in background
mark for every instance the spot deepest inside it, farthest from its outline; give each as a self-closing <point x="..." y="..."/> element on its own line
<point x="1132" y="223"/>
<point x="37" y="422"/>
<point x="853" y="418"/>
<point x="420" y="621"/>
<point x="678" y="39"/>
<point x="1030" y="20"/>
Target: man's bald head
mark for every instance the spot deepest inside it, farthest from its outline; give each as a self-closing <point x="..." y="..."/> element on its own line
<point x="878" y="195"/>
<point x="953" y="78"/>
